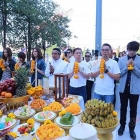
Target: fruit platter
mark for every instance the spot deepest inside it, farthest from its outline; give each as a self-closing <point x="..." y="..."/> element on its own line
<point x="102" y="116"/>
<point x="70" y="99"/>
<point x="66" y="121"/>
<point x="6" y="122"/>
<point x="26" y="128"/>
<point x="44" y="115"/>
<point x="7" y="88"/>
<point x="50" y="131"/>
<point x="24" y="112"/>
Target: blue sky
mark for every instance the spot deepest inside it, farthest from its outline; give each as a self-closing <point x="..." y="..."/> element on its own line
<point x="120" y="21"/>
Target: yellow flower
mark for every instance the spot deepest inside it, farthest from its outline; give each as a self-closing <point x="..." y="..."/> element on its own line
<point x="30" y="92"/>
<point x="30" y="122"/>
<point x="46" y="108"/>
<point x="48" y="122"/>
<point x="114" y="113"/>
<point x="76" y="69"/>
<point x="13" y="134"/>
<point x="34" y="139"/>
<point x="11" y="115"/>
<point x="0" y="113"/>
<point x="63" y="112"/>
<point x="32" y="66"/>
<point x="17" y="66"/>
<point x="2" y="66"/>
<point x="102" y="68"/>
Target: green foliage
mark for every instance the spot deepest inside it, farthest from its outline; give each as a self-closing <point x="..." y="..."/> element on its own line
<point x="33" y="22"/>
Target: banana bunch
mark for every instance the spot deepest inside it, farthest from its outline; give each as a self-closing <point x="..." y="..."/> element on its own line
<point x="99" y="114"/>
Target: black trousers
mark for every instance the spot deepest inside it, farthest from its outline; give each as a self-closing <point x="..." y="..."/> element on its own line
<point x="133" y="100"/>
<point x="89" y="85"/>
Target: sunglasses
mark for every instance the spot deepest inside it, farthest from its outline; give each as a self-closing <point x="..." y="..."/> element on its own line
<point x="87" y="55"/>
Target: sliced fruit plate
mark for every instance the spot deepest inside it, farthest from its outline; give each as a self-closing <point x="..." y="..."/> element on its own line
<point x="25" y="128"/>
<point x="44" y="115"/>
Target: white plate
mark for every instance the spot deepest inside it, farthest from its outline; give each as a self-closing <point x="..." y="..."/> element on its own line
<point x="53" y="115"/>
<point x="3" y="121"/>
<point x="36" y="125"/>
<point x="31" y="113"/>
<point x="55" y="139"/>
<point x="65" y="138"/>
<point x="75" y="121"/>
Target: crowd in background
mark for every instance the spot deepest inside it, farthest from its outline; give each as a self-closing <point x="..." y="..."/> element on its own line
<point x="104" y="68"/>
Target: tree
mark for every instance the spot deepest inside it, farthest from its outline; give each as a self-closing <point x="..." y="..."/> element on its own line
<point x="5" y="15"/>
<point x="33" y="22"/>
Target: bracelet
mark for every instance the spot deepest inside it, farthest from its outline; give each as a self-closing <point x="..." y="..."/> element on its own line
<point x="106" y="71"/>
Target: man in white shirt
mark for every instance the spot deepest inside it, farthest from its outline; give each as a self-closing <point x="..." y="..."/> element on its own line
<point x="104" y="88"/>
<point x="78" y="86"/>
<point x="90" y="81"/>
<point x="70" y="56"/>
<point x="56" y="66"/>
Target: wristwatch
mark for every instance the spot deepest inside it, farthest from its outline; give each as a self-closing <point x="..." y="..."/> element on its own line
<point x="106" y="71"/>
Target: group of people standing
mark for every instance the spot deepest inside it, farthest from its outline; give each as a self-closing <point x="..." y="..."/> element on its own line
<point x="89" y="72"/>
<point x="129" y="80"/>
<point x="9" y="64"/>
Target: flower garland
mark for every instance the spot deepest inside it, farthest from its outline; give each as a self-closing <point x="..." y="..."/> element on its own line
<point x="32" y="66"/>
<point x="17" y="66"/>
<point x="130" y="67"/>
<point x="2" y="66"/>
<point x="102" y="68"/>
<point x="76" y="70"/>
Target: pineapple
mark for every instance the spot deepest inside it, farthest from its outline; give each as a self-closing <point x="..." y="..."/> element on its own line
<point x="21" y="79"/>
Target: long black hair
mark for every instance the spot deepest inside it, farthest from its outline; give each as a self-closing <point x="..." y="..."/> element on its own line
<point x="38" y="52"/>
<point x="9" y="53"/>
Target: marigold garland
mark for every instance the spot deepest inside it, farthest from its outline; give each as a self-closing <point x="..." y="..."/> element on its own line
<point x="130" y="67"/>
<point x="102" y="68"/>
<point x="76" y="70"/>
<point x="17" y="66"/>
<point x="2" y="66"/>
<point x="32" y="66"/>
